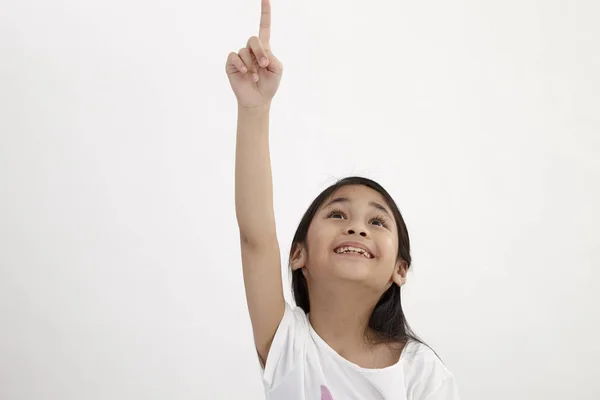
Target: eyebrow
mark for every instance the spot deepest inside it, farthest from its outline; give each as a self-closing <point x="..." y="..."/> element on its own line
<point x="347" y="200"/>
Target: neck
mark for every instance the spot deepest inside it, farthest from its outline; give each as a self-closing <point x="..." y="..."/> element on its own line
<point x="340" y="316"/>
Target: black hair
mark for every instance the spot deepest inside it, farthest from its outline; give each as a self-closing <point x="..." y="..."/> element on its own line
<point x="387" y="322"/>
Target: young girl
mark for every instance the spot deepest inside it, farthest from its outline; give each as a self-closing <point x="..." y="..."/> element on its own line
<point x="347" y="337"/>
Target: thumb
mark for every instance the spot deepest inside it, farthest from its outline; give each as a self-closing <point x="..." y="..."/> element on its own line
<point x="275" y="66"/>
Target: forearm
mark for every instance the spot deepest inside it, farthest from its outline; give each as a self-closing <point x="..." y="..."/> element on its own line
<point x="253" y="178"/>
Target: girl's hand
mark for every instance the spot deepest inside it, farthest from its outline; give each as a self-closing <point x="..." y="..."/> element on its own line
<point x="254" y="72"/>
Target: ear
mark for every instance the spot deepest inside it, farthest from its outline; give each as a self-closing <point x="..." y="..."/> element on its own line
<point x="298" y="260"/>
<point x="400" y="271"/>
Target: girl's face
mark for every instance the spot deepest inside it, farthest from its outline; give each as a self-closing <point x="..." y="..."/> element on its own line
<point x="353" y="213"/>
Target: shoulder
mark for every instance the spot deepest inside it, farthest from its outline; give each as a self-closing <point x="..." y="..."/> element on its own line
<point x="296" y="317"/>
<point x="293" y="323"/>
<point x="288" y="346"/>
<point x="424" y="372"/>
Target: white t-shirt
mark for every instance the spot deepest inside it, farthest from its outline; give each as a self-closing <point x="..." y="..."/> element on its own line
<point x="302" y="366"/>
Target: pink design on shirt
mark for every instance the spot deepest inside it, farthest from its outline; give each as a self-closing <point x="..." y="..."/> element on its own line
<point x="325" y="394"/>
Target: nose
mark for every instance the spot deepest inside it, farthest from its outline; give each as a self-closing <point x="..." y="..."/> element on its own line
<point x="362" y="233"/>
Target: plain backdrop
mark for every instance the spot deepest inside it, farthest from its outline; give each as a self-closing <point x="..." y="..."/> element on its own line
<point x="120" y="270"/>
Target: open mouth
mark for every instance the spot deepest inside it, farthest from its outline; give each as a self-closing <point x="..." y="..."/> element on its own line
<point x="353" y="251"/>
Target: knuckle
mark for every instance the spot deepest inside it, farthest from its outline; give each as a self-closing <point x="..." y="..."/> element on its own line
<point x="254" y="42"/>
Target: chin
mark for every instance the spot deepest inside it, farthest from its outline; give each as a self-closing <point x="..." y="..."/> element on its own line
<point x="355" y="270"/>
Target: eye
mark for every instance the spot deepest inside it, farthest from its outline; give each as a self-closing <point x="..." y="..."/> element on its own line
<point x="381" y="220"/>
<point x="335" y="212"/>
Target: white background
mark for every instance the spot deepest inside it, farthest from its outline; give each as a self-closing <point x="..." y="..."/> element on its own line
<point x="120" y="272"/>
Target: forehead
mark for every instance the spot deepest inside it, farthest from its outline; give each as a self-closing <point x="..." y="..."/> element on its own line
<point x="358" y="194"/>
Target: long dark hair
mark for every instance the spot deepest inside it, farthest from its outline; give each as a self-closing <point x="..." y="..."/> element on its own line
<point x="387" y="322"/>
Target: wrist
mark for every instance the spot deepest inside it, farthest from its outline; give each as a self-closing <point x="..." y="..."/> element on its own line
<point x="262" y="109"/>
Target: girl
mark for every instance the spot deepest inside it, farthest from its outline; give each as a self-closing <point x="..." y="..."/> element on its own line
<point x="347" y="337"/>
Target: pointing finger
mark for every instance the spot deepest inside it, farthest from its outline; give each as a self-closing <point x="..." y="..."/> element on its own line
<point x="265" y="24"/>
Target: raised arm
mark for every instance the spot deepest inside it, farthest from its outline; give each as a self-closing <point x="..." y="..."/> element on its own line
<point x="254" y="84"/>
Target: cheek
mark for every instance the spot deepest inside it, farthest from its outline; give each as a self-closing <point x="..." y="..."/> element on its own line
<point x="388" y="246"/>
<point x="319" y="239"/>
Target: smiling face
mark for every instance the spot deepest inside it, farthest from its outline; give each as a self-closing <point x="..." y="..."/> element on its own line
<point x="353" y="237"/>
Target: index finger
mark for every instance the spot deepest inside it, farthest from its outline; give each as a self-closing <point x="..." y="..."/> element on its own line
<point x="264" y="33"/>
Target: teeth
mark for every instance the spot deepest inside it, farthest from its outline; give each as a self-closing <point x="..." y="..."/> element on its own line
<point x="354" y="250"/>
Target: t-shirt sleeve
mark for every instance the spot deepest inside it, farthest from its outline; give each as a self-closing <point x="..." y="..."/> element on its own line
<point x="447" y="390"/>
<point x="287" y="348"/>
<point x="427" y="378"/>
